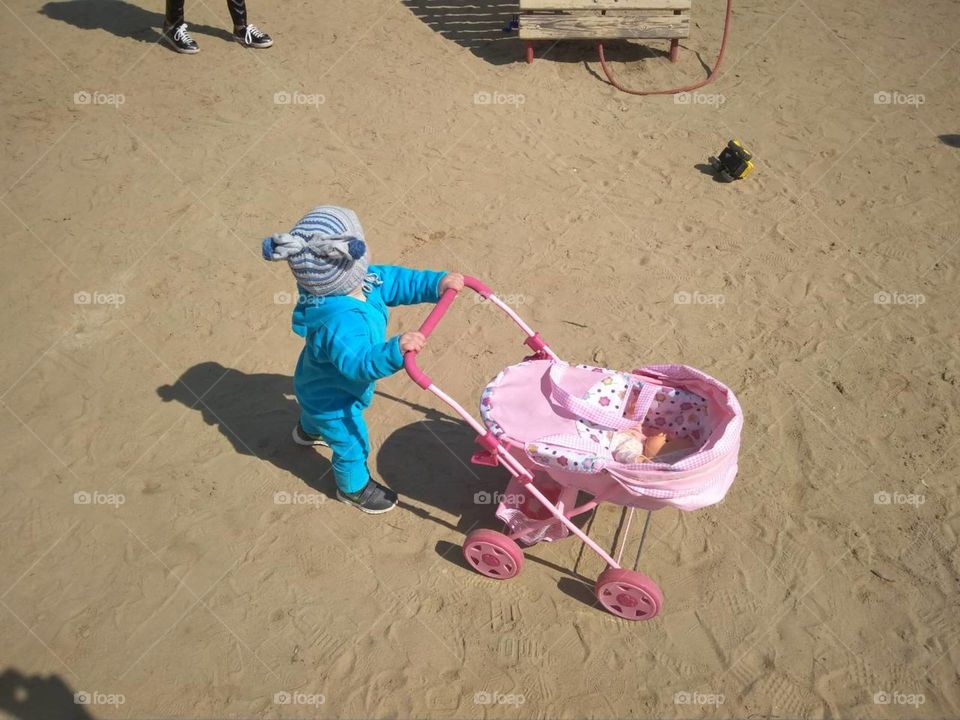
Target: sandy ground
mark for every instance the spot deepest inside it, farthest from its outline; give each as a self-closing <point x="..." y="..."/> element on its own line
<point x="804" y="594"/>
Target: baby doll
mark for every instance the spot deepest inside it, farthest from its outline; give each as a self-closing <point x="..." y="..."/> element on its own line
<point x="632" y="446"/>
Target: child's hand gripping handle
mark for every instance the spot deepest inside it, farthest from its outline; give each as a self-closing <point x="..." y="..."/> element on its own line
<point x="433" y="319"/>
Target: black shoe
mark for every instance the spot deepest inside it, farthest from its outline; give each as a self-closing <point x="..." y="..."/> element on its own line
<point x="302" y="437"/>
<point x="179" y="39"/>
<point x="252" y="36"/>
<point x="373" y="499"/>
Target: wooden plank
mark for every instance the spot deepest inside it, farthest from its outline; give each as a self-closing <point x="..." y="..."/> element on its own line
<point x="638" y="14"/>
<point x="604" y="5"/>
<point x="599" y="27"/>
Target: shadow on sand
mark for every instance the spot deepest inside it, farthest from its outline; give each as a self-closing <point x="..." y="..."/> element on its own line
<point x="36" y="697"/>
<point x="120" y="18"/>
<point x="256" y="412"/>
<point x="426" y="462"/>
<point x="479" y="27"/>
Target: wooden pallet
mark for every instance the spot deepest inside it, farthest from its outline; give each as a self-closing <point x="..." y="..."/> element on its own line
<point x="605" y="20"/>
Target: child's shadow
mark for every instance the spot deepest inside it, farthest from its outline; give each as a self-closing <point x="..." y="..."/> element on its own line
<point x="256" y="413"/>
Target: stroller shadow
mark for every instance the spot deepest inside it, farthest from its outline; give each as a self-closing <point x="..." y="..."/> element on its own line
<point x="429" y="461"/>
<point x="119" y="18"/>
<point x="580" y="589"/>
<point x="479" y="27"/>
<point x="35" y="697"/>
<point x="256" y="413"/>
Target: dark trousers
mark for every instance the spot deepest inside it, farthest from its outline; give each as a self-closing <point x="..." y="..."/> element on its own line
<point x="238" y="11"/>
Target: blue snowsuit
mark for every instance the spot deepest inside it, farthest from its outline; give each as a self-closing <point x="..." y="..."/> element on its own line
<point x="346" y="352"/>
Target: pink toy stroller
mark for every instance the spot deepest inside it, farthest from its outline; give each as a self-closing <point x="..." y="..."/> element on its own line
<point x="550" y="425"/>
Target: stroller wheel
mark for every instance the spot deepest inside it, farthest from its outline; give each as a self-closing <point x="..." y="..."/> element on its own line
<point x="629" y="594"/>
<point x="492" y="554"/>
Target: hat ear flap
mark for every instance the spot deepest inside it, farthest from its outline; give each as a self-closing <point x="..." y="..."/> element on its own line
<point x="331" y="249"/>
<point x="342" y="248"/>
<point x="266" y="248"/>
<point x="281" y="246"/>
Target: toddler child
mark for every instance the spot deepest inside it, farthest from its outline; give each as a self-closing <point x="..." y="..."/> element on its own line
<point x="341" y="312"/>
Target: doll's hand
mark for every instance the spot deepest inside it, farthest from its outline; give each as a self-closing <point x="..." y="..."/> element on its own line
<point x="451" y="281"/>
<point x="412" y="342"/>
<point x="653" y="445"/>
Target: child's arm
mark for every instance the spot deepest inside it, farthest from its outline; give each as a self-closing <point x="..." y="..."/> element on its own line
<point x="349" y="350"/>
<point x="405" y="286"/>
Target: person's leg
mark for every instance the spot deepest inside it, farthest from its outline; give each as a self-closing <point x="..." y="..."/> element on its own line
<point x="238" y="13"/>
<point x="174" y="16"/>
<point x="175" y="29"/>
<point x="350" y="443"/>
<point x="246" y="34"/>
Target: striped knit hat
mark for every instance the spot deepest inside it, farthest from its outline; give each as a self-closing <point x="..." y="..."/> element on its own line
<point x="325" y="251"/>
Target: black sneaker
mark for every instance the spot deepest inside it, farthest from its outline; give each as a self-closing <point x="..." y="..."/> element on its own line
<point x="373" y="499"/>
<point x="179" y="39"/>
<point x="252" y="36"/>
<point x="302" y="437"/>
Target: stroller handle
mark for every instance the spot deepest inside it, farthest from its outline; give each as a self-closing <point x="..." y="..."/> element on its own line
<point x="440" y="309"/>
<point x="446" y="300"/>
